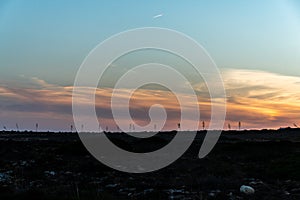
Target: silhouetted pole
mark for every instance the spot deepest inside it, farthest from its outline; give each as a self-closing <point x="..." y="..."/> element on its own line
<point x="240" y="124"/>
<point x="36" y="127"/>
<point x="203" y="125"/>
<point x="229" y="126"/>
<point x="71" y="128"/>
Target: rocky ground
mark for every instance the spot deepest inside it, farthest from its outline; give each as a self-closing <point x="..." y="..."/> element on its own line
<point x="57" y="166"/>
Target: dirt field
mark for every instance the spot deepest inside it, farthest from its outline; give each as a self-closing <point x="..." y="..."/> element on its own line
<point x="57" y="166"/>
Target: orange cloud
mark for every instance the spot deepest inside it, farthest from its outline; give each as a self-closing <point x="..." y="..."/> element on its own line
<point x="262" y="99"/>
<point x="259" y="99"/>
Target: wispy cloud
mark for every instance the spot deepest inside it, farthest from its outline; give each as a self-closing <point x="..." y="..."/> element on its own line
<point x="44" y="100"/>
<point x="259" y="99"/>
<point x="262" y="99"/>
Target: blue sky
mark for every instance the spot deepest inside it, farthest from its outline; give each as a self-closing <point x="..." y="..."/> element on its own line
<point x="42" y="38"/>
<point x="45" y="42"/>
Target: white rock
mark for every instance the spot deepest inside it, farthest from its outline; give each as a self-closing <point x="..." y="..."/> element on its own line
<point x="111" y="185"/>
<point x="4" y="177"/>
<point x="211" y="194"/>
<point x="247" y="189"/>
<point x="52" y="173"/>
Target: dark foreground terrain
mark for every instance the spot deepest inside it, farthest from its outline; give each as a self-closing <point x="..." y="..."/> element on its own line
<point x="57" y="166"/>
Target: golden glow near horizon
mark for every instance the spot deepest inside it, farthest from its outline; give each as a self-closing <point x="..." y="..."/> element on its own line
<point x="256" y="98"/>
<point x="264" y="99"/>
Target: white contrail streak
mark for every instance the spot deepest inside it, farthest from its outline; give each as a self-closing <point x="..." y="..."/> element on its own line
<point x="157" y="16"/>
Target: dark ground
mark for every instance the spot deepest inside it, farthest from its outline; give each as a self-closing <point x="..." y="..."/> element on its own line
<point x="57" y="166"/>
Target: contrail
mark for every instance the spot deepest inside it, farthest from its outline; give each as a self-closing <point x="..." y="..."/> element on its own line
<point x="157" y="16"/>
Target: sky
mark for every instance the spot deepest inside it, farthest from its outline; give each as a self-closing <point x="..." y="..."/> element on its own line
<point x="255" y="44"/>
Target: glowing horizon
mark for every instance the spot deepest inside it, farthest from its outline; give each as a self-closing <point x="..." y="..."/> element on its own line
<point x="253" y="97"/>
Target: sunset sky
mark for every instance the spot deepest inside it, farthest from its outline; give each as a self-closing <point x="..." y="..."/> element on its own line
<point x="255" y="44"/>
